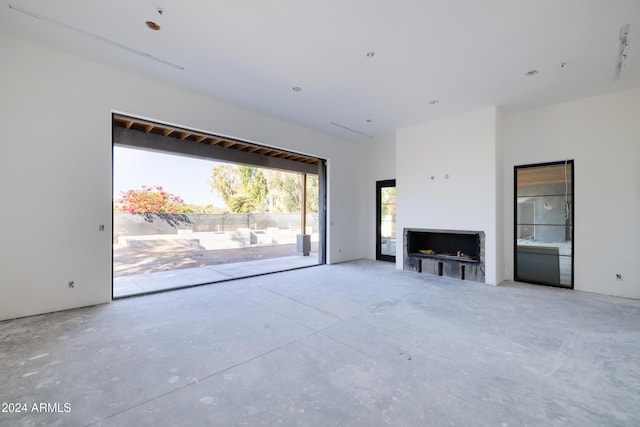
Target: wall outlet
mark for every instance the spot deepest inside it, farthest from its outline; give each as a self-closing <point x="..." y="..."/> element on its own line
<point x="71" y="284"/>
<point x="618" y="276"/>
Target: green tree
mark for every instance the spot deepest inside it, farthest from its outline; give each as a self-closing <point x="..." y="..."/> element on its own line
<point x="284" y="191"/>
<point x="313" y="195"/>
<point x="247" y="189"/>
<point x="243" y="188"/>
<point x="225" y="181"/>
<point x="253" y="196"/>
<point x="388" y="202"/>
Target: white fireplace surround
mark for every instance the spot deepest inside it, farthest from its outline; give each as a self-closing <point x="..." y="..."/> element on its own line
<point x="448" y="179"/>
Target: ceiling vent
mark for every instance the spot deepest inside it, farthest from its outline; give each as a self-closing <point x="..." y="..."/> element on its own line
<point x="623" y="50"/>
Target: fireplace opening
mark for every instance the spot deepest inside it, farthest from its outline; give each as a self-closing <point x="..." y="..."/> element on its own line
<point x="460" y="246"/>
<point x="450" y="253"/>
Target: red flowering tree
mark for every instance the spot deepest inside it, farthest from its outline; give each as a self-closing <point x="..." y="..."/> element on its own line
<point x="154" y="202"/>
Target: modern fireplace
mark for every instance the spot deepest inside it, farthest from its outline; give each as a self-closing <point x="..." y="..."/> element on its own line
<point x="450" y="253"/>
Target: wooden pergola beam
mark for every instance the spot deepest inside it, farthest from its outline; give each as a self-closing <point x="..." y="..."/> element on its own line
<point x="304" y="204"/>
<point x="144" y="126"/>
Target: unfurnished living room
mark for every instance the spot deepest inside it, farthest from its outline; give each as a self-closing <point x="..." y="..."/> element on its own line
<point x="412" y="213"/>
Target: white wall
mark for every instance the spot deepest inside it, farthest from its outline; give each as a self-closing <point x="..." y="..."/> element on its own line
<point x="381" y="166"/>
<point x="464" y="148"/>
<point x="602" y="135"/>
<point x="55" y="175"/>
<point x="500" y="195"/>
<point x="55" y="171"/>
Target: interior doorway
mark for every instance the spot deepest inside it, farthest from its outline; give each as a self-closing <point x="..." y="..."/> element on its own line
<point x="386" y="220"/>
<point x="543" y="226"/>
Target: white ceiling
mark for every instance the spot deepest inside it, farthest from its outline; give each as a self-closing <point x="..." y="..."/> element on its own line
<point x="467" y="54"/>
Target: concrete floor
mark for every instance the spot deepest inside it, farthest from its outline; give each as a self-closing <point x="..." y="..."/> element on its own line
<point x="354" y="344"/>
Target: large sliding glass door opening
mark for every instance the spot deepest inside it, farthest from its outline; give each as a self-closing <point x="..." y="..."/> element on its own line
<point x="544" y="223"/>
<point x="184" y="219"/>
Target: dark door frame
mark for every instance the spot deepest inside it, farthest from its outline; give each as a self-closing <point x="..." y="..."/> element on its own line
<point x="379" y="186"/>
<point x="571" y="220"/>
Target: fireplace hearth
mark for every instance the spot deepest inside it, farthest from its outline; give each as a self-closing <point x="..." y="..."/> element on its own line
<point x="451" y="253"/>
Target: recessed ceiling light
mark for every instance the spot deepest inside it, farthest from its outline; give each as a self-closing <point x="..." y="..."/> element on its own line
<point x="296" y="88"/>
<point x="152" y="25"/>
<point x="371" y="54"/>
<point x="434" y="102"/>
<point x="531" y="73"/>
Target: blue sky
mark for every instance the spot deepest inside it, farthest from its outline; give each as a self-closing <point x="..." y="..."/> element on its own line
<point x="182" y="176"/>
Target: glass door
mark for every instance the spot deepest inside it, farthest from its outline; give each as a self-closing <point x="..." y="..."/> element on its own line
<point x="544" y="224"/>
<point x="386" y="220"/>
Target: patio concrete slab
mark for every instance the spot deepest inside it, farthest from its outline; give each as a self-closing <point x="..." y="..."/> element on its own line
<point x="125" y="285"/>
<point x="172" y="279"/>
<point x="252" y="268"/>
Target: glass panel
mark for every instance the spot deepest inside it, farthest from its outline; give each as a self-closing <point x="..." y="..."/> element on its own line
<point x="544" y="224"/>
<point x="230" y="214"/>
<point x="388" y="221"/>
<point x="544" y="209"/>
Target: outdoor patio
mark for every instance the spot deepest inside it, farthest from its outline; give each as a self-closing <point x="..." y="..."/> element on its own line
<point x="139" y="270"/>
